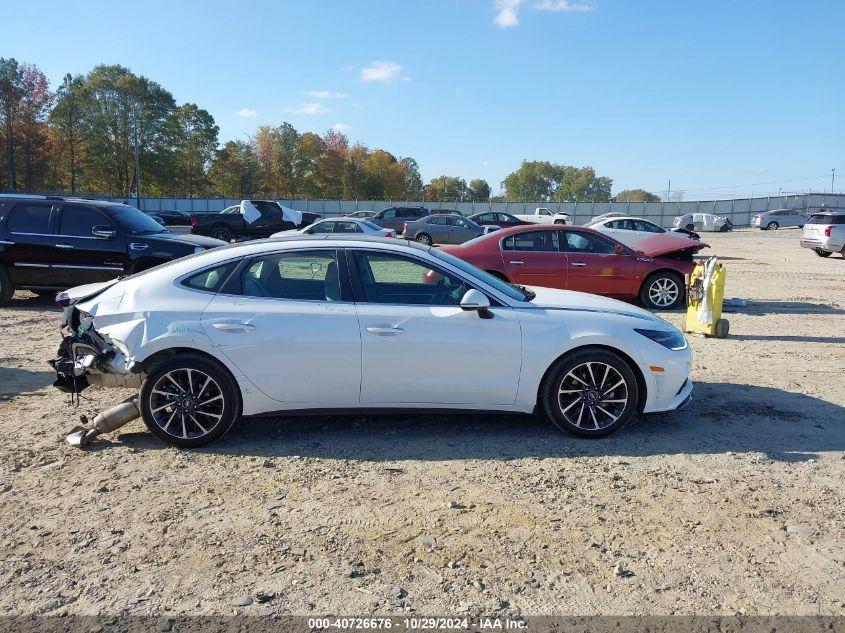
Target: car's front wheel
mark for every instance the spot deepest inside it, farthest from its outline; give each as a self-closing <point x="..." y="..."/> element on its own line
<point x="690" y="227"/>
<point x="189" y="401"/>
<point x="772" y="226"/>
<point x="590" y="393"/>
<point x="662" y="291"/>
<point x="424" y="238"/>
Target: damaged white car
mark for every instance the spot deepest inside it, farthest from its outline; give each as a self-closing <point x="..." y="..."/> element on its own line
<point x="346" y="324"/>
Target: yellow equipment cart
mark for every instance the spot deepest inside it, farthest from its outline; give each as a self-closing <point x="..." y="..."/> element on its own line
<point x="705" y="293"/>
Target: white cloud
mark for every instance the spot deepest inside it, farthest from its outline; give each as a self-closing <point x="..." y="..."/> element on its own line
<point x="247" y="112"/>
<point x="563" y="5"/>
<point x="384" y="72"/>
<point x="484" y="163"/>
<point x="309" y="108"/>
<point x="341" y="127"/>
<point x="507" y="13"/>
<point x="326" y="94"/>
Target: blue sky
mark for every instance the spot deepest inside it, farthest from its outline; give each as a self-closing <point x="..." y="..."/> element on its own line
<point x="722" y="97"/>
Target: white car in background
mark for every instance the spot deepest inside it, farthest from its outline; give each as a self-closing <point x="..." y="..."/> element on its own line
<point x="345" y="225"/>
<point x="824" y="232"/>
<point x="350" y="324"/>
<point x="630" y="230"/>
<point x="702" y="222"/>
<point x="605" y="216"/>
<point x="543" y="215"/>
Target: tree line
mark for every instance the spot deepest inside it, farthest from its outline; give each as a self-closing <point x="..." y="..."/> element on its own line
<point x="85" y="137"/>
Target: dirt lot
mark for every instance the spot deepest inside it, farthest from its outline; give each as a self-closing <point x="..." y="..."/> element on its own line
<point x="736" y="504"/>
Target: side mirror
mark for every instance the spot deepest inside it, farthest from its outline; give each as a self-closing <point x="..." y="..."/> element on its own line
<point x="619" y="249"/>
<point x="476" y="300"/>
<point x="103" y="231"/>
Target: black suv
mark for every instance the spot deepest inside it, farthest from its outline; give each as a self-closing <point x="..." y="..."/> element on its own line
<point x="395" y="217"/>
<point x="50" y="243"/>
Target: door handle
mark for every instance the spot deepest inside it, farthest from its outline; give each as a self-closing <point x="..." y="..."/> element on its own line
<point x="137" y="246"/>
<point x="578" y="264"/>
<point x="385" y="331"/>
<point x="517" y="262"/>
<point x="64" y="246"/>
<point x="235" y="328"/>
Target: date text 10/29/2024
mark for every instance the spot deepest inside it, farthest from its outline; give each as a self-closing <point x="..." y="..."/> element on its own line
<point x="417" y="624"/>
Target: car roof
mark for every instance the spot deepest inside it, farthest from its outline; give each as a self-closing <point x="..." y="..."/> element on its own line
<point x="626" y="217"/>
<point x="829" y="212"/>
<point x="77" y="199"/>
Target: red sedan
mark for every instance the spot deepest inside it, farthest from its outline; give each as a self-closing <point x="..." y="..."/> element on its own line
<point x="578" y="258"/>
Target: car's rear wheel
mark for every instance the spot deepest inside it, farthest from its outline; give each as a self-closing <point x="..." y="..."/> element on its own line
<point x="822" y="253"/>
<point x="6" y="288"/>
<point x="772" y="226"/>
<point x="189" y="401"/>
<point x="662" y="291"/>
<point x="560" y="221"/>
<point x="590" y="393"/>
<point x="424" y="238"/>
<point x="221" y="233"/>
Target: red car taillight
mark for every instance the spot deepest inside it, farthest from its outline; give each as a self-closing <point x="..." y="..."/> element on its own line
<point x="758" y="217"/>
<point x="827" y="231"/>
<point x="193" y="220"/>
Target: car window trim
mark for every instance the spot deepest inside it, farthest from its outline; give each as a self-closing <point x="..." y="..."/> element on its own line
<point x="560" y="239"/>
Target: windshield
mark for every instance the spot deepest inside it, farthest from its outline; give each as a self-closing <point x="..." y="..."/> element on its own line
<point x="490" y="280"/>
<point x="132" y="220"/>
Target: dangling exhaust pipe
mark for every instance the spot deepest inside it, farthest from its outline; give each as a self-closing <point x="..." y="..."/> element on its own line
<point x="105" y="422"/>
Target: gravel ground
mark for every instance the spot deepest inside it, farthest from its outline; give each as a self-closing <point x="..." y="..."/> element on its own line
<point x="734" y="505"/>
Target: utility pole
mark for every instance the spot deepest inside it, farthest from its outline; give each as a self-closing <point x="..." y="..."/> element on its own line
<point x="832" y="178"/>
<point x="137" y="159"/>
<point x="669" y="190"/>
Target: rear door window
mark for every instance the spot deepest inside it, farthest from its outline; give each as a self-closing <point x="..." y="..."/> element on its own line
<point x="29" y="217"/>
<point x="78" y="221"/>
<point x="821" y="219"/>
<point x="535" y="241"/>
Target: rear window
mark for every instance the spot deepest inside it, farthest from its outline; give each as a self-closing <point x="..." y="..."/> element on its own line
<point x="29" y="218"/>
<point x="210" y="280"/>
<point x="824" y="219"/>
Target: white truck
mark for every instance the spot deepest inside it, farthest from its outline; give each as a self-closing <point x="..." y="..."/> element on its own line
<point x="542" y="215"/>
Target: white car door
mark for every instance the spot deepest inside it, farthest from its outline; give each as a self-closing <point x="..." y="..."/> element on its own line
<point x="419" y="347"/>
<point x="282" y="321"/>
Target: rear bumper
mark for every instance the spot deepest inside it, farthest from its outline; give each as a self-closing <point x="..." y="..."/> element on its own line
<point x="823" y="244"/>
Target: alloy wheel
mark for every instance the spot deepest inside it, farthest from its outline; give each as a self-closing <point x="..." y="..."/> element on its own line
<point x="186" y="403"/>
<point x="592" y="395"/>
<point x="424" y="239"/>
<point x="663" y="292"/>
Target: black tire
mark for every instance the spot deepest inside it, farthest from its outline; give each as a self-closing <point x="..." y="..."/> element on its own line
<point x="6" y="288"/>
<point x="663" y="290"/>
<point x="184" y="368"/>
<point x="560" y="221"/>
<point x="424" y="238"/>
<point x="221" y="232"/>
<point x="822" y="253"/>
<point x="723" y="327"/>
<point x="772" y="226"/>
<point x="690" y="227"/>
<point x="561" y="395"/>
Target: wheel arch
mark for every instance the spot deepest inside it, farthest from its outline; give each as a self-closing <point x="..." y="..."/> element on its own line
<point x="664" y="269"/>
<point x="642" y="387"/>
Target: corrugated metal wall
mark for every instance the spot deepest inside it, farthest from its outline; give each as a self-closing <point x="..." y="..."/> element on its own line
<point x="739" y="211"/>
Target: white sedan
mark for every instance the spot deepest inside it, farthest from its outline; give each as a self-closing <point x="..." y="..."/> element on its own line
<point x="631" y="230"/>
<point x="350" y="324"/>
<point x="340" y="225"/>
